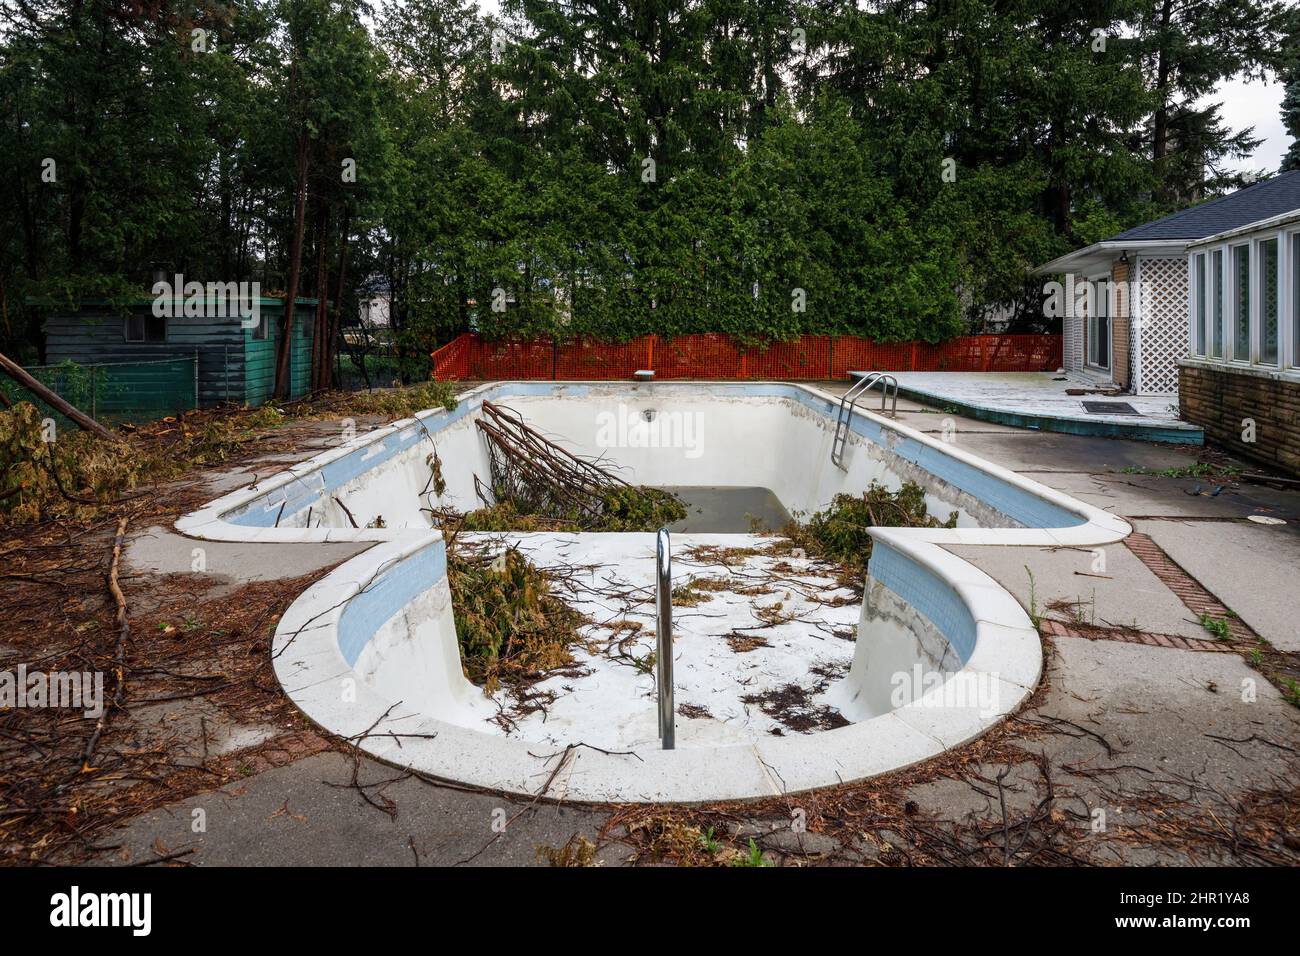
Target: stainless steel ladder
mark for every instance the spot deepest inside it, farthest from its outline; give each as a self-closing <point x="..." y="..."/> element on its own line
<point x="664" y="657"/>
<point x="849" y="401"/>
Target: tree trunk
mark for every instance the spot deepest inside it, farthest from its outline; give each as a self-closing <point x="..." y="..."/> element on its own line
<point x="319" y="329"/>
<point x="336" y="320"/>
<point x="53" y="399"/>
<point x="285" y="348"/>
<point x="1160" y="122"/>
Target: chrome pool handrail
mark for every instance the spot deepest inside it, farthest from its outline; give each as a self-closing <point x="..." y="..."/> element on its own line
<point x="664" y="657"/>
<point x="849" y="401"/>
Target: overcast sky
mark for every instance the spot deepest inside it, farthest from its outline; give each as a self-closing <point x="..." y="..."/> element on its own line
<point x="1258" y="105"/>
<point x="1244" y="104"/>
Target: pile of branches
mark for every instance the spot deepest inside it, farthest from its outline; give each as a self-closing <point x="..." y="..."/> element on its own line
<point x="840" y="533"/>
<point x="535" y="476"/>
<point x="514" y="629"/>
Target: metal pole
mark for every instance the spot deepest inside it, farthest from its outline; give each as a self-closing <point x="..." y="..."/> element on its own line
<point x="664" y="658"/>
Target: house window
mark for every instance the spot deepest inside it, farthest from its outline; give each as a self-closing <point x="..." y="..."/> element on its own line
<point x="1198" y="298"/>
<point x="1099" y="333"/>
<point x="1294" y="286"/>
<point x="1241" y="303"/>
<point x="144" y="327"/>
<point x="1268" y="301"/>
<point x="261" y="330"/>
<point x="1216" y="303"/>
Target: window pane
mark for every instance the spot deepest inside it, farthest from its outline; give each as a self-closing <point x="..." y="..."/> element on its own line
<point x="1241" y="302"/>
<point x="1295" y="299"/>
<point x="155" y="329"/>
<point x="1198" y="324"/>
<point x="1099" y="341"/>
<point x="134" y="330"/>
<point x="1268" y="302"/>
<point x="1216" y="303"/>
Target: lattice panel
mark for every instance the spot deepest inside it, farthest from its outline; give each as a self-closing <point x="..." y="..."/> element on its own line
<point x="1072" y="329"/>
<point x="1162" y="326"/>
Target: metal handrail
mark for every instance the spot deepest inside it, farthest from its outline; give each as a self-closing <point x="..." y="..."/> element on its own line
<point x="849" y="402"/>
<point x="664" y="658"/>
<point x="864" y="383"/>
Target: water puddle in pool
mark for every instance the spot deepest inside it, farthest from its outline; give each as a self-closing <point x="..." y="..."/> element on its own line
<point x="721" y="509"/>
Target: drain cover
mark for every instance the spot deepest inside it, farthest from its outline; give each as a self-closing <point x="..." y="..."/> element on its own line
<point x="1110" y="408"/>
<point x="1265" y="519"/>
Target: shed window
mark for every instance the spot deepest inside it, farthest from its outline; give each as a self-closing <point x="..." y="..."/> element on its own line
<point x="261" y="330"/>
<point x="144" y="327"/>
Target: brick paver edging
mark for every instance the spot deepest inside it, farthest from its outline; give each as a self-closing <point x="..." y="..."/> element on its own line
<point x="1198" y="600"/>
<point x="1194" y="597"/>
<point x="1062" y="629"/>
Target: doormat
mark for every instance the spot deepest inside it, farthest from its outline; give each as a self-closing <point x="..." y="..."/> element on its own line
<point x="1110" y="408"/>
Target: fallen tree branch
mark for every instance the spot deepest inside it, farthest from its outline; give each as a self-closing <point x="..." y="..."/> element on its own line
<point x="119" y="653"/>
<point x="53" y="399"/>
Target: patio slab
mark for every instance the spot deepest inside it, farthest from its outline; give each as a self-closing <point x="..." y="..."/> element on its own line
<point x="1139" y="496"/>
<point x="1038" y="400"/>
<point x="309" y="813"/>
<point x="1252" y="569"/>
<point x="1113" y="590"/>
<point x="1033" y="452"/>
<point x="1133" y="720"/>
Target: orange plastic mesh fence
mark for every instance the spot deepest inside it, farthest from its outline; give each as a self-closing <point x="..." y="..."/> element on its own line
<point x="469" y="357"/>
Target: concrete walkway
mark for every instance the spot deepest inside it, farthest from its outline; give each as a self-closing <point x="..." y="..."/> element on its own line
<point x="1039" y="400"/>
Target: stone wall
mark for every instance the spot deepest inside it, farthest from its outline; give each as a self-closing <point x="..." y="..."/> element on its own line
<point x="1221" y="400"/>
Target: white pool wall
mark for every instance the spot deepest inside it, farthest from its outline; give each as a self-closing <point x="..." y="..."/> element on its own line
<point x="381" y="474"/>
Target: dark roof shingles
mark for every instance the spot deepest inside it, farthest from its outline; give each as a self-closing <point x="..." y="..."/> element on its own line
<point x="1262" y="200"/>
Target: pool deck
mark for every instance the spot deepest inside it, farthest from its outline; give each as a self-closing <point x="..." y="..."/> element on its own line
<point x="1040" y="401"/>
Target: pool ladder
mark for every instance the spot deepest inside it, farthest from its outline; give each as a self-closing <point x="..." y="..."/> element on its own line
<point x="664" y="657"/>
<point x="850" y="400"/>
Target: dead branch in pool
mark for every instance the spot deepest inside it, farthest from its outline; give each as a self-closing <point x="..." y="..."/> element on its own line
<point x="536" y="477"/>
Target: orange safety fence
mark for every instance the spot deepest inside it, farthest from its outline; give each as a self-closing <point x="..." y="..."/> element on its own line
<point x="470" y="357"/>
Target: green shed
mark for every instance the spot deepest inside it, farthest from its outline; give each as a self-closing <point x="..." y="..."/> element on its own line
<point x="144" y="360"/>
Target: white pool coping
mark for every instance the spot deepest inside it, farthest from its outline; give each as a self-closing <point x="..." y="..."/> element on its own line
<point x="308" y="662"/>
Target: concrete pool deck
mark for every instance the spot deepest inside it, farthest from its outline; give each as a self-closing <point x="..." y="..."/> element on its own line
<point x="1039" y="400"/>
<point x="1123" y="714"/>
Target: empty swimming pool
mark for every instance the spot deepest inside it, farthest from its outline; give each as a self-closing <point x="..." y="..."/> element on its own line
<point x="784" y="680"/>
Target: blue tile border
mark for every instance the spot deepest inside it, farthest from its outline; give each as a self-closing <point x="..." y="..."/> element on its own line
<point x="387" y="594"/>
<point x="929" y="594"/>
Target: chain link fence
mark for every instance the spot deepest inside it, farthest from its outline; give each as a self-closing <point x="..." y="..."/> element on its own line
<point x="117" y="391"/>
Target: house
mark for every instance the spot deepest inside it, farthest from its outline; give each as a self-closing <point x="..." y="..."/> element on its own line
<point x="1240" y="378"/>
<point x="177" y="361"/>
<point x="375" y="306"/>
<point x="1125" y="319"/>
